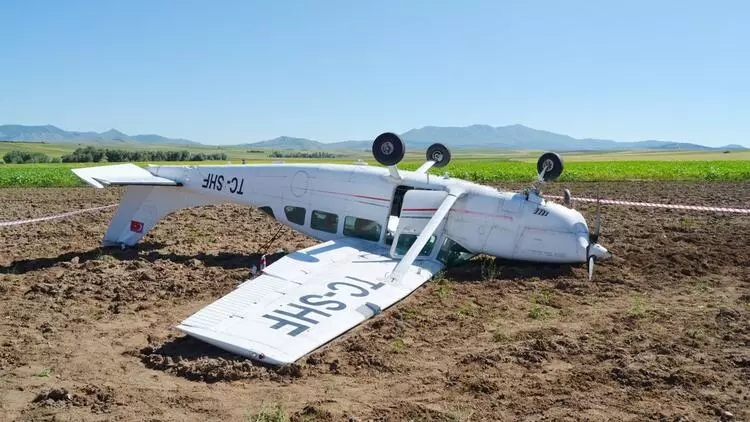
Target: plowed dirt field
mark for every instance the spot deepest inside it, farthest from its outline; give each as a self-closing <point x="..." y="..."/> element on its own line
<point x="662" y="333"/>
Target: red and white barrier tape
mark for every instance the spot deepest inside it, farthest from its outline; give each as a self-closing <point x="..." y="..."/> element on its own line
<point x="54" y="217"/>
<point x="656" y="205"/>
<point x="603" y="201"/>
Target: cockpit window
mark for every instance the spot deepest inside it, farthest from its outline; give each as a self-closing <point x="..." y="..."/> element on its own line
<point x="452" y="254"/>
<point x="406" y="240"/>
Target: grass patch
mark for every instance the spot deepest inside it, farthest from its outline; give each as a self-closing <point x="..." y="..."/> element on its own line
<point x="698" y="334"/>
<point x="461" y="414"/>
<point x="686" y="222"/>
<point x="544" y="295"/>
<point x="44" y="373"/>
<point x="538" y="312"/>
<point x="398" y="345"/>
<point x="639" y="307"/>
<point x="443" y="289"/>
<point x="700" y="286"/>
<point x="541" y="302"/>
<point x="499" y="336"/>
<point x="410" y="313"/>
<point x="274" y="413"/>
<point x="468" y="309"/>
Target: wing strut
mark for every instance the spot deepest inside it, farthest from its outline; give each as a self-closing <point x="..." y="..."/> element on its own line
<point x="432" y="225"/>
<point x="425" y="167"/>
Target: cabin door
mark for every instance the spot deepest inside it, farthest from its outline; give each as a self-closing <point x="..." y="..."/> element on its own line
<point x="418" y="207"/>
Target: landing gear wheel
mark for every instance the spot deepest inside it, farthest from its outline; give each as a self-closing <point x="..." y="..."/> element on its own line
<point x="551" y="164"/>
<point x="440" y="154"/>
<point x="388" y="149"/>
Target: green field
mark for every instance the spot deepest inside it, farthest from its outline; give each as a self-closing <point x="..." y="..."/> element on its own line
<point x="485" y="166"/>
<point x="479" y="170"/>
<point x="236" y="153"/>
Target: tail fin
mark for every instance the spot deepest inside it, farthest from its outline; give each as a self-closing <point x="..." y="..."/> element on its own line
<point x="147" y="199"/>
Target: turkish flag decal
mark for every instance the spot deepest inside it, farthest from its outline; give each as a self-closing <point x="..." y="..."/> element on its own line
<point x="136" y="226"/>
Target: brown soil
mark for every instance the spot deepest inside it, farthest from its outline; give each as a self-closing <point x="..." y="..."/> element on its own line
<point x="662" y="332"/>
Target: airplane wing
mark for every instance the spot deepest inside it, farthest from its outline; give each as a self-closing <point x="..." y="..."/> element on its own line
<point x="306" y="299"/>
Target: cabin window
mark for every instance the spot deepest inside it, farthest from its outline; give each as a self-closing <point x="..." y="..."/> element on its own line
<point x="452" y="254"/>
<point x="362" y="228"/>
<point x="295" y="215"/>
<point x="268" y="211"/>
<point x="406" y="240"/>
<point x="324" y="221"/>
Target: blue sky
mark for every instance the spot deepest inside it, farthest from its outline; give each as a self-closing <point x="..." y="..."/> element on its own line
<point x="238" y="71"/>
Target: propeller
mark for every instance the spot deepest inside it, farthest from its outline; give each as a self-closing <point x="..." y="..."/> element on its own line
<point x="594" y="238"/>
<point x="567" y="198"/>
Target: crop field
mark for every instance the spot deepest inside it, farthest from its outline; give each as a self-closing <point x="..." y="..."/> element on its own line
<point x="479" y="165"/>
<point x="487" y="170"/>
<point x="237" y="153"/>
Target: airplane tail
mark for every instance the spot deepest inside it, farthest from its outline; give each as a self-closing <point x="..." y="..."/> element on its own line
<point x="147" y="199"/>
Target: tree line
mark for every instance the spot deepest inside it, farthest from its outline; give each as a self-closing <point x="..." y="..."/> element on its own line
<point x="97" y="155"/>
<point x="317" y="154"/>
<point x="22" y="157"/>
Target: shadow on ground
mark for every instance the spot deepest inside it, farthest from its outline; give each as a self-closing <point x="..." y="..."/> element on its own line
<point x="146" y="251"/>
<point x="485" y="268"/>
<point x="196" y="360"/>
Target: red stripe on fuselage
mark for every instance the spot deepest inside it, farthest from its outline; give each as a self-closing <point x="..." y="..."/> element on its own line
<point x="371" y="197"/>
<point x="374" y="198"/>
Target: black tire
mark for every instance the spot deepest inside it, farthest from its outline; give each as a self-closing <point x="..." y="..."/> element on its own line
<point x="440" y="154"/>
<point x="552" y="163"/>
<point x="388" y="149"/>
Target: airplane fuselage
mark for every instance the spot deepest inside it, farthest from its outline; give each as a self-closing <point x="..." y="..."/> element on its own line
<point x="325" y="201"/>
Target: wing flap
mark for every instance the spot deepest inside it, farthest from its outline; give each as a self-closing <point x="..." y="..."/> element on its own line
<point x="120" y="174"/>
<point x="319" y="301"/>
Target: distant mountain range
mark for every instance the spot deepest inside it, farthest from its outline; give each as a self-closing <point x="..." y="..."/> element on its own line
<point x="287" y="142"/>
<point x="484" y="136"/>
<point x="54" y="134"/>
<point x="475" y="136"/>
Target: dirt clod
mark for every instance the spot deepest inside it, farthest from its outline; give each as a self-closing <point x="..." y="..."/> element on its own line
<point x="54" y="395"/>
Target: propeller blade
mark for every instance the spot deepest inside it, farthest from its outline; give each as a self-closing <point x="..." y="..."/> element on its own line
<point x="594" y="234"/>
<point x="590" y="266"/>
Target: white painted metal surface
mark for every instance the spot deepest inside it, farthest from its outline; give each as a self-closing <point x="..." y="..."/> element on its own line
<point x="304" y="300"/>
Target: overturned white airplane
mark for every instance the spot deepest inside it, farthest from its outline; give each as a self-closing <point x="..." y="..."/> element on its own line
<point x="385" y="232"/>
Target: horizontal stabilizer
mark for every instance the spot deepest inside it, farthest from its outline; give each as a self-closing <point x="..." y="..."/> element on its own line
<point x="121" y="174"/>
